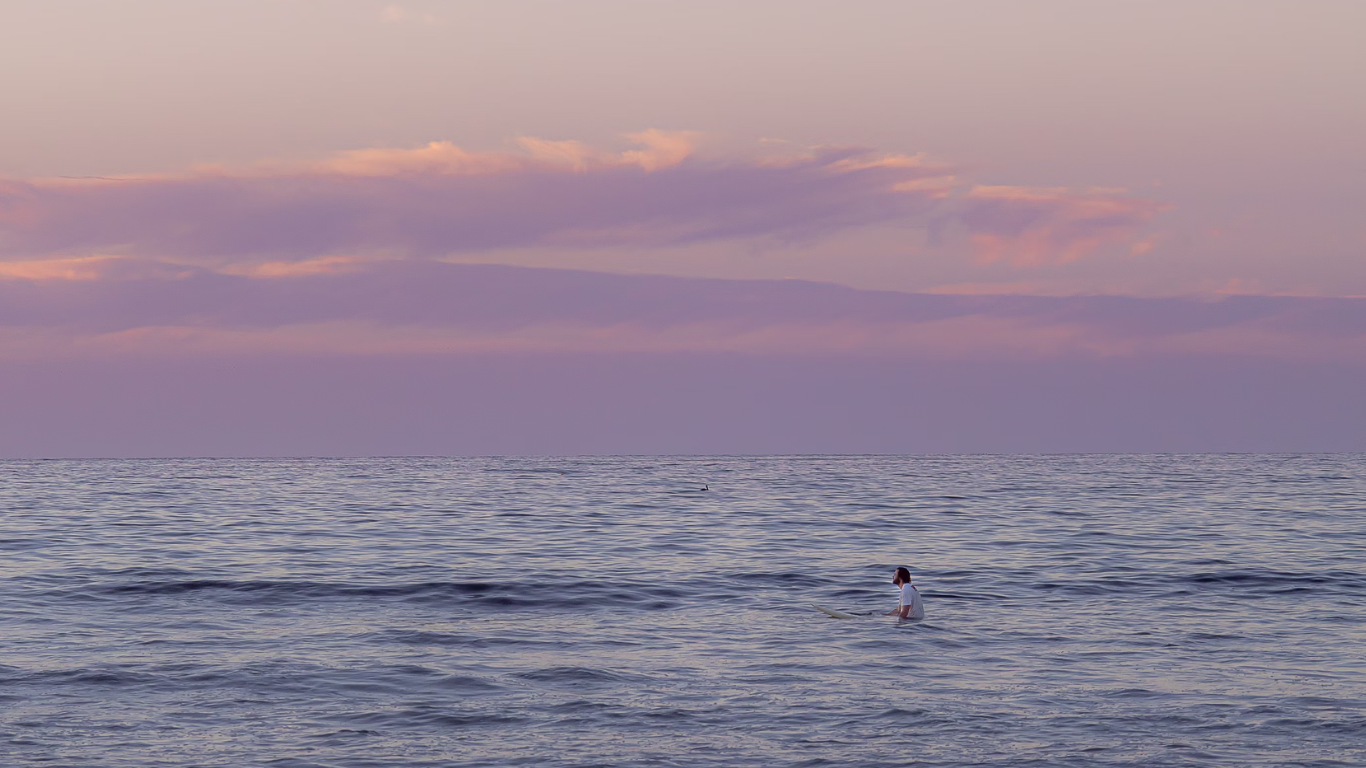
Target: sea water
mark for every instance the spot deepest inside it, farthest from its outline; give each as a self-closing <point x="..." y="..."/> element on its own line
<point x="1080" y="610"/>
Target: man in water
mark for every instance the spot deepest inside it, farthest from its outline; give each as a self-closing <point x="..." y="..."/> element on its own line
<point x="910" y="607"/>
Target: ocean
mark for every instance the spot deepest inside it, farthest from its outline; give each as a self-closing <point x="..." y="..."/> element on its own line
<point x="1081" y="610"/>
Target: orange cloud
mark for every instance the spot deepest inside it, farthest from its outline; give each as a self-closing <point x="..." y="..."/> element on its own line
<point x="91" y="269"/>
<point x="437" y="157"/>
<point x="658" y="150"/>
<point x="80" y="268"/>
<point x="661" y="149"/>
<point x="326" y="265"/>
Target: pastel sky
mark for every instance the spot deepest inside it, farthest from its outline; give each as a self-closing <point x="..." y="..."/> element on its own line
<point x="335" y="227"/>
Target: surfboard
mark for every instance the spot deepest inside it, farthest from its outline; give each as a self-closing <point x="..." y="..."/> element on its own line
<point x="833" y="614"/>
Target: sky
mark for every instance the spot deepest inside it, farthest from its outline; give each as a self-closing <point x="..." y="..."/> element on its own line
<point x="344" y="227"/>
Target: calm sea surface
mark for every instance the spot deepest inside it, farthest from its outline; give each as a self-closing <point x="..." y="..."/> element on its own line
<point x="1080" y="610"/>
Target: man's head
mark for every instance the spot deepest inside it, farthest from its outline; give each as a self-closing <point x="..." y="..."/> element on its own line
<point x="902" y="576"/>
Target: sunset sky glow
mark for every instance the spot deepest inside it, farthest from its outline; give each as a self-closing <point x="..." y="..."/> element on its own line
<point x="342" y="227"/>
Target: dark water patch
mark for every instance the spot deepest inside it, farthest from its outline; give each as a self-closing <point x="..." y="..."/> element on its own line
<point x="1094" y="587"/>
<point x="1215" y="637"/>
<point x="788" y="579"/>
<point x="102" y="677"/>
<point x="580" y="677"/>
<point x="343" y="736"/>
<point x="857" y="593"/>
<point x="461" y="640"/>
<point x="428" y="716"/>
<point x="467" y="683"/>
<point x="575" y="595"/>
<point x="580" y="707"/>
<point x="775" y="679"/>
<point x="1265" y="581"/>
<point x="897" y="714"/>
<point x="1231" y="582"/>
<point x="25" y="544"/>
<point x="1133" y="693"/>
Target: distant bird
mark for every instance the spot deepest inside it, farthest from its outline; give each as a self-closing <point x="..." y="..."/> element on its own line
<point x="705" y="487"/>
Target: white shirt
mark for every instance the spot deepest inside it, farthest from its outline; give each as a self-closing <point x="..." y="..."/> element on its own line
<point x="909" y="596"/>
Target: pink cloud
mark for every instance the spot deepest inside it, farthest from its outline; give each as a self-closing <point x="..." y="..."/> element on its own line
<point x="1035" y="226"/>
<point x="79" y="268"/>
<point x="658" y="150"/>
<point x="355" y="307"/>
<point x="441" y="199"/>
<point x="134" y="357"/>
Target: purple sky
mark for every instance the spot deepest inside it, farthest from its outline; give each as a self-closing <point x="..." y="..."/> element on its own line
<point x="351" y="228"/>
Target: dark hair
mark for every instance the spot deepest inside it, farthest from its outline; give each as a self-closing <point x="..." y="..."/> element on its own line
<point x="904" y="575"/>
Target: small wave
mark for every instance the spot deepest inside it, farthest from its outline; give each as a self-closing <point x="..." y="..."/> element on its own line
<point x="428" y="716"/>
<point x="578" y="677"/>
<point x="1094" y="587"/>
<point x="19" y="545"/>
<point x="1132" y="693"/>
<point x="1278" y="582"/>
<point x="577" y="595"/>
<point x="467" y="683"/>
<point x="898" y="714"/>
<point x="1232" y="582"/>
<point x="347" y="733"/>
<point x="80" y="677"/>
<point x="770" y="579"/>
<point x="454" y="640"/>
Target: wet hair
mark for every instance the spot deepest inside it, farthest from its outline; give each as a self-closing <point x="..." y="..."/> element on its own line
<point x="903" y="575"/>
